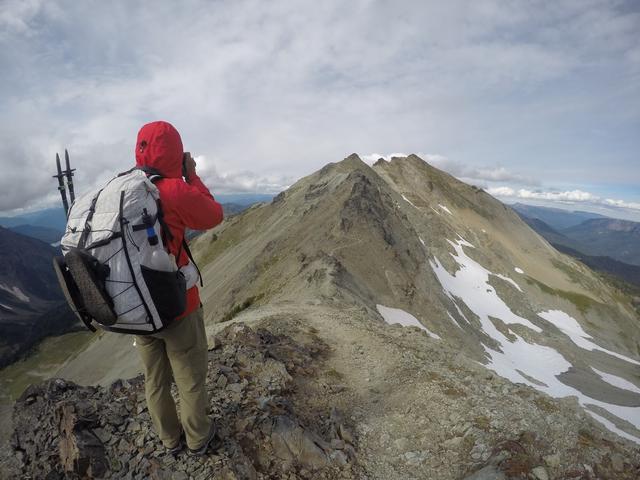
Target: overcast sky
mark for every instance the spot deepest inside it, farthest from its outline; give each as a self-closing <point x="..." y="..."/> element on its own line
<point x="537" y="101"/>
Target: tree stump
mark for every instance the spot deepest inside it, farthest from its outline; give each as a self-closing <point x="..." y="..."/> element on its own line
<point x="81" y="451"/>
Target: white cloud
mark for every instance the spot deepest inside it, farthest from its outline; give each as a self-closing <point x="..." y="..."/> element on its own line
<point x="241" y="181"/>
<point x="472" y="174"/>
<point x="16" y="15"/>
<point x="502" y="192"/>
<point x="622" y="204"/>
<point x="566" y="197"/>
<point x="282" y="88"/>
<point x="467" y="173"/>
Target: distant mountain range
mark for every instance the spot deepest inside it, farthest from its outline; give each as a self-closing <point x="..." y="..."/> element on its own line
<point x="245" y="199"/>
<point x="48" y="225"/>
<point x="48" y="218"/>
<point x="619" y="239"/>
<point x="556" y="218"/>
<point x="31" y="303"/>
<point x="605" y="244"/>
<point x="48" y="235"/>
<point x="628" y="273"/>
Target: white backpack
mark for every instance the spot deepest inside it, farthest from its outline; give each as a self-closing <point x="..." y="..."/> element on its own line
<point x="104" y="271"/>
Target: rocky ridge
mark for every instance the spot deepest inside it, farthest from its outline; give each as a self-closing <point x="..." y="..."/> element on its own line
<point x="317" y="392"/>
<point x="63" y="430"/>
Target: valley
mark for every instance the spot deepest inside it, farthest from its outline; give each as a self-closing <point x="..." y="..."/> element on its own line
<point x="44" y="362"/>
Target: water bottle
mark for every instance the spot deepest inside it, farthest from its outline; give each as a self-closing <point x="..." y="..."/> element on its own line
<point x="156" y="257"/>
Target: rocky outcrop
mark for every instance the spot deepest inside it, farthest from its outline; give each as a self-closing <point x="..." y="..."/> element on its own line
<point x="63" y="430"/>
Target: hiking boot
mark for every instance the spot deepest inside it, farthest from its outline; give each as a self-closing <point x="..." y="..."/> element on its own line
<point x="179" y="446"/>
<point x="207" y="443"/>
<point x="177" y="449"/>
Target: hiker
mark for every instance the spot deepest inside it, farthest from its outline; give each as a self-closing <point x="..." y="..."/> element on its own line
<point x="179" y="351"/>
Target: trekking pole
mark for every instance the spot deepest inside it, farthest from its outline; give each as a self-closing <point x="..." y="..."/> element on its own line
<point x="63" y="194"/>
<point x="69" y="172"/>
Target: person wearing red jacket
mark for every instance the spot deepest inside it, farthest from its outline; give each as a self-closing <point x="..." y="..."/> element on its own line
<point x="180" y="351"/>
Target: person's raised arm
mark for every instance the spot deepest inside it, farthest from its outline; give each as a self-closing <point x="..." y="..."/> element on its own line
<point x="197" y="208"/>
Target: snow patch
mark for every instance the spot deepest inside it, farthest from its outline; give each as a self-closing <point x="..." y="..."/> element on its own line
<point x="396" y="315"/>
<point x="462" y="241"/>
<point x="617" y="381"/>
<point x="445" y="209"/>
<point x="6" y="306"/>
<point x="422" y="241"/>
<point x="437" y="212"/>
<point x="408" y="201"/>
<point x="507" y="279"/>
<point x="572" y="329"/>
<point x="454" y="320"/>
<point x="56" y="244"/>
<point x="471" y="284"/>
<point x="611" y="426"/>
<point x="519" y="270"/>
<point x="514" y="358"/>
<point x="15" y="291"/>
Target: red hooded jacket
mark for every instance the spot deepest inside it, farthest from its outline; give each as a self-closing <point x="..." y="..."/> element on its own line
<point x="185" y="204"/>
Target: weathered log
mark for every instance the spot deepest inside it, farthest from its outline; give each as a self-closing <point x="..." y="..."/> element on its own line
<point x="81" y="451"/>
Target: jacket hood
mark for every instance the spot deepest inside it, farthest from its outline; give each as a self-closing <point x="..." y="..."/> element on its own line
<point x="159" y="146"/>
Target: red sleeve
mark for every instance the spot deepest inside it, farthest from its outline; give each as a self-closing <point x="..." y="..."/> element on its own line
<point x="196" y="207"/>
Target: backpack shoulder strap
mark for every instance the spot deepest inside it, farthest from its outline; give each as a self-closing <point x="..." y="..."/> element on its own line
<point x="166" y="231"/>
<point x="153" y="174"/>
<point x="185" y="245"/>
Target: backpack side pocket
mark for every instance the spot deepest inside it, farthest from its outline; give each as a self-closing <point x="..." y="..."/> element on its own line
<point x="168" y="291"/>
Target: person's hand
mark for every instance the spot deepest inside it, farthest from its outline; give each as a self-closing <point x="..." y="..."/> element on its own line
<point x="189" y="165"/>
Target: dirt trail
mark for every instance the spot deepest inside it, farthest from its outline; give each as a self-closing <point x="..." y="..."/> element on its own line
<point x="420" y="409"/>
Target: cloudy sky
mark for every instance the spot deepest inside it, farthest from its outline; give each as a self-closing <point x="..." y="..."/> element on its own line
<point x="535" y="101"/>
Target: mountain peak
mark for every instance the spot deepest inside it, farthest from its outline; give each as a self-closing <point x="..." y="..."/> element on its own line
<point x="412" y="164"/>
<point x="354" y="162"/>
<point x="354" y="157"/>
<point x="347" y="164"/>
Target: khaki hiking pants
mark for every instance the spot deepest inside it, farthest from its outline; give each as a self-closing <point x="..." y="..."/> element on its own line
<point x="180" y="352"/>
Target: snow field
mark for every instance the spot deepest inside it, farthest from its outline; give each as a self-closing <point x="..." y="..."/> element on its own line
<point x="396" y="315"/>
<point x="513" y="359"/>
